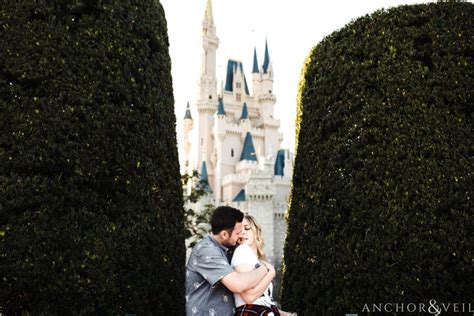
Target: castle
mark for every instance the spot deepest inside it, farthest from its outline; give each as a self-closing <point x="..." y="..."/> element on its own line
<point x="237" y="141"/>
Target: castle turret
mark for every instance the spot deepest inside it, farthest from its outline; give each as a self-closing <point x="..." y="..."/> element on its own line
<point x="187" y="127"/>
<point x="187" y="121"/>
<point x="203" y="179"/>
<point x="248" y="151"/>
<point x="219" y="121"/>
<point x="266" y="98"/>
<point x="266" y="61"/>
<point x="220" y="133"/>
<point x="187" y="145"/>
<point x="244" y="120"/>
<point x="256" y="77"/>
<point x="248" y="158"/>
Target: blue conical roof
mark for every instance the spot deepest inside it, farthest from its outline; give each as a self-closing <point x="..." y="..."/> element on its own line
<point x="248" y="152"/>
<point x="266" y="61"/>
<point x="245" y="112"/>
<point x="255" y="62"/>
<point x="188" y="113"/>
<point x="240" y="197"/>
<point x="203" y="179"/>
<point x="280" y="163"/>
<point x="220" y="107"/>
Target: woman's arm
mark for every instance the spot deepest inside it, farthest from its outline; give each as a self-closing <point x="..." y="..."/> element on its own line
<point x="252" y="294"/>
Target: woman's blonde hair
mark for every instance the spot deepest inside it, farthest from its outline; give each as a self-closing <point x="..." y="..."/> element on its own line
<point x="257" y="230"/>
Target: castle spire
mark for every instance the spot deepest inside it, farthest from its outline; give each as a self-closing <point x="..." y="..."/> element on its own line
<point x="187" y="115"/>
<point x="248" y="153"/>
<point x="245" y="112"/>
<point x="255" y="61"/>
<point x="220" y="107"/>
<point x="208" y="13"/>
<point x="203" y="179"/>
<point x="266" y="61"/>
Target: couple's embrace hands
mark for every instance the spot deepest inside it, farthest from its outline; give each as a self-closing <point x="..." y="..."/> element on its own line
<point x="270" y="268"/>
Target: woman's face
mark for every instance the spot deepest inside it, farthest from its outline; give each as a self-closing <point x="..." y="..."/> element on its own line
<point x="248" y="236"/>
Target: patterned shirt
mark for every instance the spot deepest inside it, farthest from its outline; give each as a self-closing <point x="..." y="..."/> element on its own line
<point x="205" y="294"/>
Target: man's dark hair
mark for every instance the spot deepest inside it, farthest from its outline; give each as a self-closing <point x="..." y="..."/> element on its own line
<point x="225" y="218"/>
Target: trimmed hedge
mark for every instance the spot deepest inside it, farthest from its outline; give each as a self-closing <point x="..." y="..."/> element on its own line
<point x="91" y="216"/>
<point x="381" y="208"/>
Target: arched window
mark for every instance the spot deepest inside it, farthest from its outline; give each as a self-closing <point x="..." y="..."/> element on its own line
<point x="232" y="152"/>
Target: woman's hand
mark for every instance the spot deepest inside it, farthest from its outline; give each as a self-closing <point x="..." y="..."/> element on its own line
<point x="270" y="268"/>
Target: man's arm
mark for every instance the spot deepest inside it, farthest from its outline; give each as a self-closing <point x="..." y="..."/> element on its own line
<point x="238" y="282"/>
<point x="252" y="294"/>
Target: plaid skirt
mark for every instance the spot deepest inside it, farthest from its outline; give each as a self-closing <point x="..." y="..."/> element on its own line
<point x="256" y="310"/>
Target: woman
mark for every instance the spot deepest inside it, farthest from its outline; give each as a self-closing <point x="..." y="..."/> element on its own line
<point x="248" y="256"/>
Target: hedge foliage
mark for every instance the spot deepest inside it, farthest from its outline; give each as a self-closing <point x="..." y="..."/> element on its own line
<point x="381" y="207"/>
<point x="91" y="216"/>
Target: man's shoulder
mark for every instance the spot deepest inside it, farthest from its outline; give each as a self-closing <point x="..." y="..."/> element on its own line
<point x="206" y="245"/>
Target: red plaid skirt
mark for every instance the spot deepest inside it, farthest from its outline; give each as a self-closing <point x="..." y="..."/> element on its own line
<point x="256" y="310"/>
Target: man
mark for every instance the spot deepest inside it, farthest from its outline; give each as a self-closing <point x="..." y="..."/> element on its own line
<point x="210" y="279"/>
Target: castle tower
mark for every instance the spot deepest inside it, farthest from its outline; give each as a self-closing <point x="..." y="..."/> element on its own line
<point x="187" y="127"/>
<point x="207" y="98"/>
<point x="220" y="135"/>
<point x="256" y="76"/>
<point x="266" y="98"/>
<point x="210" y="43"/>
<point x="237" y="141"/>
<point x="187" y="145"/>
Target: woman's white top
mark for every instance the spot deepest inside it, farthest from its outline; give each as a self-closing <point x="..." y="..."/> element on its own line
<point x="245" y="255"/>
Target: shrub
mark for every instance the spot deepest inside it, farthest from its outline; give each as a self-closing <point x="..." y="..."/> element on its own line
<point x="381" y="207"/>
<point x="91" y="215"/>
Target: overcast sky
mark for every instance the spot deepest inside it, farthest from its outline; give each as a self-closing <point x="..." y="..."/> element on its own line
<point x="291" y="27"/>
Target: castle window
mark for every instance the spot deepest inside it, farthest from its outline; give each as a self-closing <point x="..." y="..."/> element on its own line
<point x="210" y="97"/>
<point x="202" y="141"/>
<point x="232" y="152"/>
<point x="238" y="85"/>
<point x="238" y="96"/>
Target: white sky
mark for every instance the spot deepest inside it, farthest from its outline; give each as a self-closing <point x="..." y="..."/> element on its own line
<point x="291" y="27"/>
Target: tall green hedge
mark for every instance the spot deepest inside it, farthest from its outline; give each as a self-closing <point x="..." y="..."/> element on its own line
<point x="91" y="217"/>
<point x="381" y="207"/>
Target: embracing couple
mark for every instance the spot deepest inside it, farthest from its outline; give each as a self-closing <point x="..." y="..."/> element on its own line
<point x="217" y="285"/>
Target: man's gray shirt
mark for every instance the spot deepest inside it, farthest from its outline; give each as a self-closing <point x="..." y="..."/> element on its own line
<point x="205" y="294"/>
